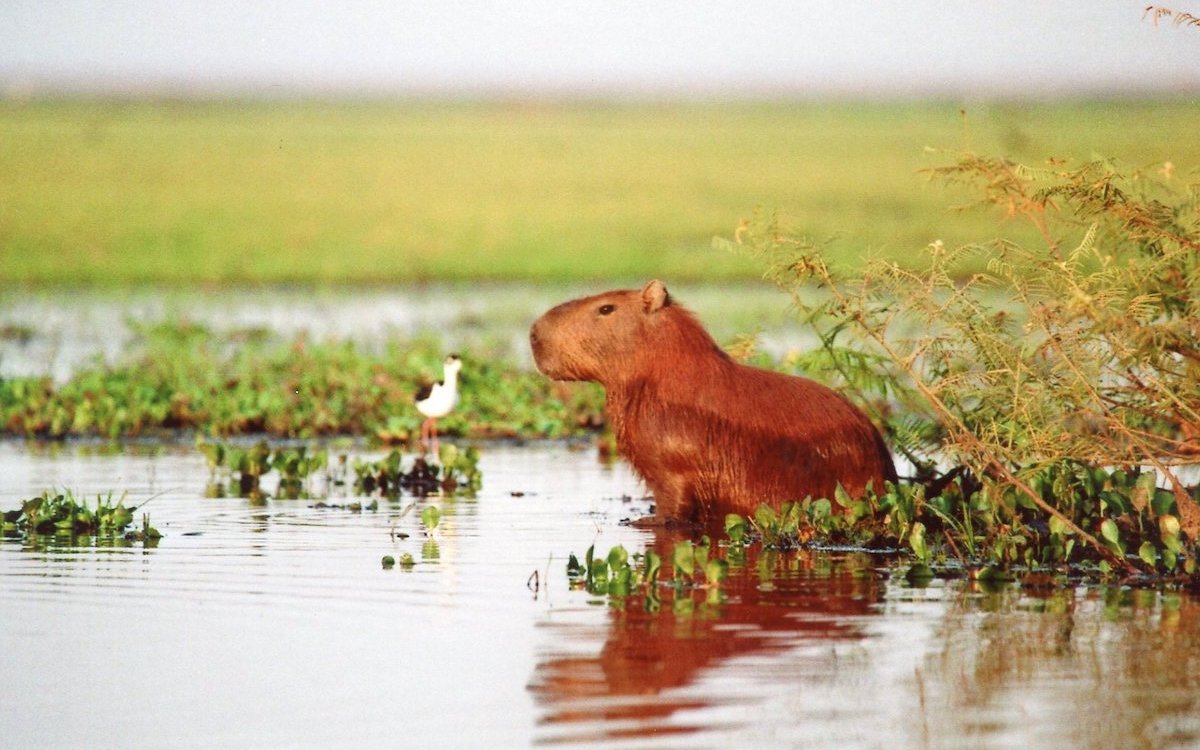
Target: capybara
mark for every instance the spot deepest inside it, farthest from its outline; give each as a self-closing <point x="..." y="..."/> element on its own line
<point x="709" y="436"/>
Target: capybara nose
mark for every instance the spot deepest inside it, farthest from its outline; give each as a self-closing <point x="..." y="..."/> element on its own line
<point x="537" y="345"/>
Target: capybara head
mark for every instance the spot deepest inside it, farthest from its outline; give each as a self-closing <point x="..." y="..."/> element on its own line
<point x="604" y="337"/>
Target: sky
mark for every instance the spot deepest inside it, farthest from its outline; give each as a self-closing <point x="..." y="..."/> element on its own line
<point x="658" y="48"/>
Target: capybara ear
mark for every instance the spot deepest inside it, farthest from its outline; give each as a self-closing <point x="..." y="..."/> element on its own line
<point x="655" y="297"/>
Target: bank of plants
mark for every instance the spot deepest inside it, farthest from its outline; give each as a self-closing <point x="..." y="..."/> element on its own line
<point x="183" y="377"/>
<point x="1048" y="405"/>
<point x="61" y="518"/>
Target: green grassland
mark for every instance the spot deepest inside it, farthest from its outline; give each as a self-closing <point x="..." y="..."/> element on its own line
<point x="183" y="192"/>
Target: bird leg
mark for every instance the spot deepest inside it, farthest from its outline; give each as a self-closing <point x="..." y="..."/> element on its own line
<point x="428" y="435"/>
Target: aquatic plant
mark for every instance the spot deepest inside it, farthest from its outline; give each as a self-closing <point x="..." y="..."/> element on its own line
<point x="243" y="468"/>
<point x="457" y="472"/>
<point x="616" y="574"/>
<point x="430" y="517"/>
<point x="619" y="574"/>
<point x="66" y="519"/>
<point x="297" y="466"/>
<point x="1059" y="386"/>
<point x="181" y="376"/>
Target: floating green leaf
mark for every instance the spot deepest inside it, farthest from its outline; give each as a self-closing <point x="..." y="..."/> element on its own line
<point x="715" y="571"/>
<point x="430" y="517"/>
<point x="735" y="528"/>
<point x="617" y="558"/>
<point x="683" y="559"/>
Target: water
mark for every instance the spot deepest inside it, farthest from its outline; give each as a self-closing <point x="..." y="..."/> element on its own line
<point x="276" y="626"/>
<point x="55" y="333"/>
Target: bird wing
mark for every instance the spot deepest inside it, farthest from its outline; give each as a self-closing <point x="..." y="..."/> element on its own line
<point x="423" y="392"/>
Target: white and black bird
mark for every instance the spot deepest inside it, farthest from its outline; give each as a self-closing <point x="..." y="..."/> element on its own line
<point x="437" y="400"/>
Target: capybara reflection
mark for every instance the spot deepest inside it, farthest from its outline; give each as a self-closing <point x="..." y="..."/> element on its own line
<point x="708" y="435"/>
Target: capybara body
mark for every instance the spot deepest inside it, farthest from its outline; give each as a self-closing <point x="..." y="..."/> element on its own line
<point x="709" y="436"/>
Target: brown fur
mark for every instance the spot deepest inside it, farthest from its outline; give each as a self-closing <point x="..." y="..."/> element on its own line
<point x="708" y="435"/>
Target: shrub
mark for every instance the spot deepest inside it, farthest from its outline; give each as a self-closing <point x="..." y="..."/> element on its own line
<point x="1059" y="364"/>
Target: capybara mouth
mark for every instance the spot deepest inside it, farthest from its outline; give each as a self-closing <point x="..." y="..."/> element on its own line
<point x="541" y="358"/>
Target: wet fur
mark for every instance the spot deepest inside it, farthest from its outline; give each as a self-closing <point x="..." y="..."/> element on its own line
<point x="708" y="435"/>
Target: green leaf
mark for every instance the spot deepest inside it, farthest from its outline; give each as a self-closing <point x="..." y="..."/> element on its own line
<point x="916" y="540"/>
<point x="684" y="559"/>
<point x="653" y="562"/>
<point x="1109" y="531"/>
<point x="599" y="577"/>
<point x="715" y="571"/>
<point x="765" y="517"/>
<point x="1148" y="554"/>
<point x="1168" y="526"/>
<point x="842" y="498"/>
<point x="735" y="528"/>
<point x="618" y="558"/>
<point x="121" y="517"/>
<point x="993" y="574"/>
<point x="430" y="517"/>
<point x="1170" y="559"/>
<point x="1058" y="527"/>
<point x="919" y="573"/>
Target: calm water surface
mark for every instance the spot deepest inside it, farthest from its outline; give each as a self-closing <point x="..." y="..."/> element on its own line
<point x="51" y="332"/>
<point x="275" y="626"/>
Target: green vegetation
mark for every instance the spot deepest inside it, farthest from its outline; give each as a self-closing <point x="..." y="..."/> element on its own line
<point x="455" y="470"/>
<point x="59" y="519"/>
<point x="1042" y="376"/>
<point x="186" y="377"/>
<point x="699" y="574"/>
<point x="174" y="192"/>
<point x="243" y="469"/>
<point x="296" y="468"/>
<point x="1060" y="385"/>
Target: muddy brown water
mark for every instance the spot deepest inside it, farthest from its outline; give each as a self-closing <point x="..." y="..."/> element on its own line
<point x="275" y="625"/>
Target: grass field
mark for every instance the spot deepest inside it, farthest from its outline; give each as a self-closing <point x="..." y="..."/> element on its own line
<point x="175" y="193"/>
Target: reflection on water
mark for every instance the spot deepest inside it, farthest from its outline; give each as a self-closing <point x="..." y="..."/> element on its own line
<point x="661" y="644"/>
<point x="1079" y="668"/>
<point x="275" y="625"/>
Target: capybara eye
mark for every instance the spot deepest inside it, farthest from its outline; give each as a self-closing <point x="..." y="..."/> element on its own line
<point x="607" y="309"/>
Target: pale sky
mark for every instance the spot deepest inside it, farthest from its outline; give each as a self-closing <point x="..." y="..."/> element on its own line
<point x="609" y="47"/>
